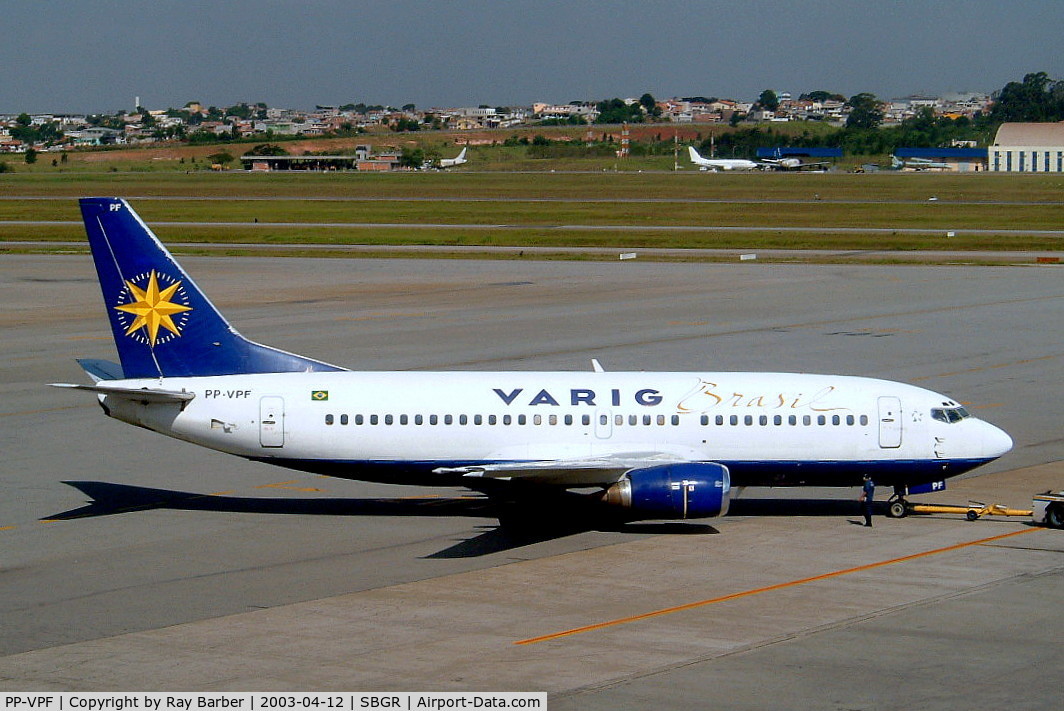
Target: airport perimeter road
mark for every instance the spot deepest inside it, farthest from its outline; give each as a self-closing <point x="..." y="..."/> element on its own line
<point x="106" y="529"/>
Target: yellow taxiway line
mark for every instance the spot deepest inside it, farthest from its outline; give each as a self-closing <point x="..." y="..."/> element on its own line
<point x="769" y="588"/>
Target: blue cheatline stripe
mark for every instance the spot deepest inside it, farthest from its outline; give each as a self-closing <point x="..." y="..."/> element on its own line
<point x="743" y="473"/>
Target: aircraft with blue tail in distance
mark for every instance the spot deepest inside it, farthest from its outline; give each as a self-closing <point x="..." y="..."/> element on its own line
<point x="780" y="162"/>
<point x="646" y="445"/>
<point x="918" y="164"/>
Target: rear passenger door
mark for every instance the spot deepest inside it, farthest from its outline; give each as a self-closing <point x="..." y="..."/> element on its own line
<point x="271" y="421"/>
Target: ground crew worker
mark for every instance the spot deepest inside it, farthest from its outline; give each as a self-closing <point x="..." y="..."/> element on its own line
<point x="868" y="492"/>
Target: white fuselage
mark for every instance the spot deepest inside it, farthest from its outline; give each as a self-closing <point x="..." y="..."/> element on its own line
<point x="768" y="428"/>
<point x="720" y="163"/>
<point x="727" y="164"/>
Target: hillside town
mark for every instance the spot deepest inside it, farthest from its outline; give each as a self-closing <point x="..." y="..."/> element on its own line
<point x="197" y="123"/>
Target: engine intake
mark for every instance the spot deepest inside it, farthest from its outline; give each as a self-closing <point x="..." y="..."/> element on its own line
<point x="687" y="490"/>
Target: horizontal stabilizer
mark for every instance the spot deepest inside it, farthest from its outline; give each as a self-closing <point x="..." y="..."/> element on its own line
<point x="101" y="369"/>
<point x="146" y="395"/>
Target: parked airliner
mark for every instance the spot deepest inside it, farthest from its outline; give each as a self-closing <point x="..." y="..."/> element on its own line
<point x="452" y="162"/>
<point x="918" y="164"/>
<point x="779" y="162"/>
<point x="721" y="163"/>
<point x="647" y="444"/>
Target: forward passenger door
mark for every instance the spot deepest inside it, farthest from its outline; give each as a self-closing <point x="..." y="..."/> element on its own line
<point x="889" y="422"/>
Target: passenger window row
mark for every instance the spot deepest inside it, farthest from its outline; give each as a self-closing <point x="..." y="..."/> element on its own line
<point x="585" y="420"/>
<point x="791" y="420"/>
<point x="456" y="419"/>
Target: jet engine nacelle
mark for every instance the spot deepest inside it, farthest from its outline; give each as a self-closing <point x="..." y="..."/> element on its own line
<point x="686" y="490"/>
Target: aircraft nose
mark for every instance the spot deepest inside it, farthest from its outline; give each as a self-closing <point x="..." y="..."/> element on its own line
<point x="996" y="442"/>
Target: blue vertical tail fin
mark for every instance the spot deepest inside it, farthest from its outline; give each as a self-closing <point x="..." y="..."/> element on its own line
<point x="163" y="325"/>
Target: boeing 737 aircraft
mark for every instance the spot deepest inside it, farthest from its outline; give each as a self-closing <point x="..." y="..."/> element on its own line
<point x="647" y="444"/>
<point x="444" y="163"/>
<point x="452" y="162"/>
<point x="792" y="163"/>
<point x="721" y="163"/>
<point x="918" y="164"/>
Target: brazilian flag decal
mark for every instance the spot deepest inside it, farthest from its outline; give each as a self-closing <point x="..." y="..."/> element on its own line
<point x="319" y="395"/>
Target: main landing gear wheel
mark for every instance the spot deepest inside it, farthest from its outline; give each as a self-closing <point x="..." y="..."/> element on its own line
<point x="897" y="508"/>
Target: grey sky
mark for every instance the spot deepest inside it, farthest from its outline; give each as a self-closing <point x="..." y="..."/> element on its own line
<point x="78" y="56"/>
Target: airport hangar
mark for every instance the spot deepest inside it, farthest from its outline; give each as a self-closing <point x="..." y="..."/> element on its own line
<point x="1028" y="148"/>
<point x="960" y="160"/>
<point x="1017" y="148"/>
<point x="320" y="163"/>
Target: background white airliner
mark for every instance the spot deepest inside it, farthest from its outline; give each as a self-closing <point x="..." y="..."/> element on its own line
<point x="649" y="445"/>
<point x="452" y="162"/>
<point x="721" y="163"/>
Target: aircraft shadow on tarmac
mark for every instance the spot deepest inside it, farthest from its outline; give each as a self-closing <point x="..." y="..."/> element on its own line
<point x="108" y="499"/>
<point x="535" y="526"/>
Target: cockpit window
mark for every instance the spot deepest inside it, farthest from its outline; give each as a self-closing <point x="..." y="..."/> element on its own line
<point x="949" y="414"/>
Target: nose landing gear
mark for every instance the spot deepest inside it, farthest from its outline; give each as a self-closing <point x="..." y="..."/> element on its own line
<point x="898" y="507"/>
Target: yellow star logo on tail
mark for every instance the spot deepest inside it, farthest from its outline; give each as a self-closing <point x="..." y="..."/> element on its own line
<point x="153" y="308"/>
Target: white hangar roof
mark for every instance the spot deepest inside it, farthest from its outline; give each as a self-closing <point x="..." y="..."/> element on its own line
<point x="1030" y="134"/>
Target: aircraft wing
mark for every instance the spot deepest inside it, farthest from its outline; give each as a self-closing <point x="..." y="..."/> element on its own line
<point x="145" y="395"/>
<point x="569" y="473"/>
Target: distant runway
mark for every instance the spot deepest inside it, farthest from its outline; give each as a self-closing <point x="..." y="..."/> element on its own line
<point x="224" y="574"/>
<point x="611" y="253"/>
<point x="560" y="200"/>
<point x="563" y="227"/>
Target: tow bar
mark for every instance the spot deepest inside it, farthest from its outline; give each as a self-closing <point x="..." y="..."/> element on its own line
<point x="973" y="511"/>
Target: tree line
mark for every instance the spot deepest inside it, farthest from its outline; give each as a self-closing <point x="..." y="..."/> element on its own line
<point x="1035" y="99"/>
